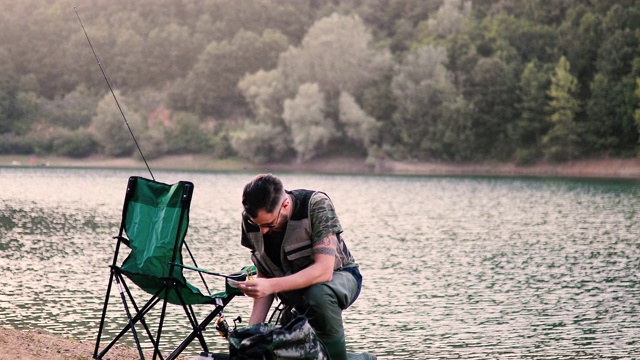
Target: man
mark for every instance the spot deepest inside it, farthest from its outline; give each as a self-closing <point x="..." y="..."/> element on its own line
<point x="296" y="244"/>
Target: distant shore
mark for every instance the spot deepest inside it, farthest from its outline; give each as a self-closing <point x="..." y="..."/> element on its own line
<point x="593" y="168"/>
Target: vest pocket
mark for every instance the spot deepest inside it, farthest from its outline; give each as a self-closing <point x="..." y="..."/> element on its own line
<point x="297" y="251"/>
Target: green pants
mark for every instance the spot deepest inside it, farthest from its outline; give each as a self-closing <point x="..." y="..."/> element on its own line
<point x="323" y="303"/>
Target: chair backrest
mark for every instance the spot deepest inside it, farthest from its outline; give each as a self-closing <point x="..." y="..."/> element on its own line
<point x="155" y="219"/>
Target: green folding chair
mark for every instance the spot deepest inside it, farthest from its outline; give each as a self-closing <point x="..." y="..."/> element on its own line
<point x="154" y="224"/>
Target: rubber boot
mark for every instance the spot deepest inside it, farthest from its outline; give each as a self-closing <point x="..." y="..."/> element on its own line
<point x="361" y="356"/>
<point x="337" y="350"/>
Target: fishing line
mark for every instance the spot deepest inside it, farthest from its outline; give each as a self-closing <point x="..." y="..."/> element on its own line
<point x="104" y="74"/>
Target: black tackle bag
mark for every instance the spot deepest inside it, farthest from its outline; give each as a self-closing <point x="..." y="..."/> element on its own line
<point x="296" y="340"/>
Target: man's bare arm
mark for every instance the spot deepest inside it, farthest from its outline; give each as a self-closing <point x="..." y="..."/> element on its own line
<point x="320" y="271"/>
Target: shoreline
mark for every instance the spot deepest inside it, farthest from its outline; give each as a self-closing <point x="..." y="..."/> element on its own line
<point x="591" y="168"/>
<point x="16" y="344"/>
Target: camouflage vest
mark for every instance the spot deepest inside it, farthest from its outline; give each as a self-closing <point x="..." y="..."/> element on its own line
<point x="296" y="252"/>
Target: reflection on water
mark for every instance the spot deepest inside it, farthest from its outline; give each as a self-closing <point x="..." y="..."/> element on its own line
<point x="467" y="268"/>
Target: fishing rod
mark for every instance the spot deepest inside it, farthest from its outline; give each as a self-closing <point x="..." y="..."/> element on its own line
<point x="104" y="74"/>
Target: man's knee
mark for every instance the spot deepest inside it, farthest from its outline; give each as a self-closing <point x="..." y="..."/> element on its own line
<point x="321" y="298"/>
<point x="340" y="291"/>
<point x="323" y="311"/>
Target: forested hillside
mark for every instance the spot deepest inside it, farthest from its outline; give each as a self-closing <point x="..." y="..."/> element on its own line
<point x="284" y="80"/>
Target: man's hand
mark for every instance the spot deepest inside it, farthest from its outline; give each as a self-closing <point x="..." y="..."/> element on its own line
<point x="257" y="288"/>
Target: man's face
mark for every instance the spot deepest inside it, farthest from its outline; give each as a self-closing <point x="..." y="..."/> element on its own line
<point x="267" y="221"/>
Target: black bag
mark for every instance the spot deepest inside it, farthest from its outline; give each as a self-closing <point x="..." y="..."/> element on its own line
<point x="296" y="340"/>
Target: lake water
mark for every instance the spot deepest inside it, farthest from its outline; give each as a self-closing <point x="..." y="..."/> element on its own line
<point x="454" y="267"/>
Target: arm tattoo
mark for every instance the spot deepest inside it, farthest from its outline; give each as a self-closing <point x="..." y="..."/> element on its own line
<point x="327" y="246"/>
<point x="324" y="251"/>
<point x="329" y="240"/>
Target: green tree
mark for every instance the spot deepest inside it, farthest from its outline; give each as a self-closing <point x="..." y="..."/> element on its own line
<point x="581" y="37"/>
<point x="265" y="94"/>
<point x="36" y="33"/>
<point x="636" y="113"/>
<point x="450" y="17"/>
<point x="421" y="86"/>
<point x="599" y="134"/>
<point x="211" y="86"/>
<point x="152" y="141"/>
<point x="456" y="131"/>
<point x="379" y="102"/>
<point x="561" y="142"/>
<point x="26" y="111"/>
<point x="492" y="91"/>
<point x="549" y="12"/>
<point x="8" y="92"/>
<point x="620" y="15"/>
<point x="127" y="61"/>
<point x="610" y="124"/>
<point x="305" y="116"/>
<point x="72" y="111"/>
<point x="222" y="19"/>
<point x="74" y="143"/>
<point x="499" y="37"/>
<point x="186" y="134"/>
<point x="260" y="142"/>
<point x="616" y="55"/>
<point x="528" y="130"/>
<point x="109" y="129"/>
<point x="169" y="53"/>
<point x="337" y="54"/>
<point x="359" y="126"/>
<point x="264" y="137"/>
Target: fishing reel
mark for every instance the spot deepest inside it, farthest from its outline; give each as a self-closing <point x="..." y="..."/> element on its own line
<point x="223" y="327"/>
<point x="221" y="323"/>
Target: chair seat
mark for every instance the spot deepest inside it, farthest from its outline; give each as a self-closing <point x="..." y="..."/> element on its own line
<point x="189" y="293"/>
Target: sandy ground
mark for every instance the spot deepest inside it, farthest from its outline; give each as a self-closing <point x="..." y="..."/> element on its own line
<point x="39" y="344"/>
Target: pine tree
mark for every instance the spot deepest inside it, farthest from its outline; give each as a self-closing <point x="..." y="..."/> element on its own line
<point x="561" y="142"/>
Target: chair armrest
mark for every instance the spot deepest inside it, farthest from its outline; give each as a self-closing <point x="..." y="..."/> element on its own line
<point x="238" y="276"/>
<point x="200" y="270"/>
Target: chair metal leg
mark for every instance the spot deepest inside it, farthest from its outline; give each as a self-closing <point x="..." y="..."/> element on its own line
<point x="104" y="314"/>
<point x="131" y="323"/>
<point x="200" y="328"/>
<point x="162" y="314"/>
<point x="199" y="334"/>
<point x="139" y="317"/>
<point x="191" y="315"/>
<point x="140" y="314"/>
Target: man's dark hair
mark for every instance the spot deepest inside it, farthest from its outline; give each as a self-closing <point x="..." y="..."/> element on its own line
<point x="263" y="192"/>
